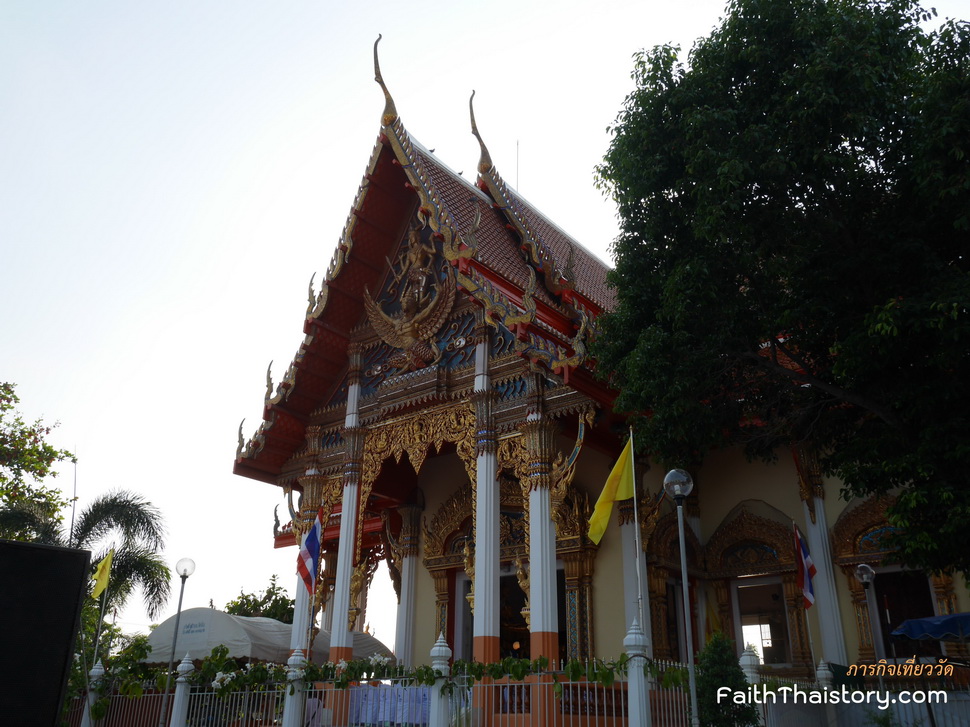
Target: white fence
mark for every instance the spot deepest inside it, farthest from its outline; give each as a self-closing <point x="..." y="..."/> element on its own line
<point x="546" y="699"/>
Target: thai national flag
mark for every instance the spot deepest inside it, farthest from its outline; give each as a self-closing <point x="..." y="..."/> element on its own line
<point x="309" y="558"/>
<point x="806" y="569"/>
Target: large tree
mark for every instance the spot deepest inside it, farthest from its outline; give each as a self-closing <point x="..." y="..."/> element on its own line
<point x="792" y="263"/>
<point x="27" y="459"/>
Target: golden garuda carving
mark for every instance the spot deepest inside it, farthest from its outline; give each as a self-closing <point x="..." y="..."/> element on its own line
<point x="425" y="301"/>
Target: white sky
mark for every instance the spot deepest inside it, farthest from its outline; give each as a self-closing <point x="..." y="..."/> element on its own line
<point x="171" y="174"/>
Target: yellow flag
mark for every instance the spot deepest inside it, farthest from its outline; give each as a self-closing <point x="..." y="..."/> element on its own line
<point x="712" y="618"/>
<point x="101" y="574"/>
<point x="619" y="486"/>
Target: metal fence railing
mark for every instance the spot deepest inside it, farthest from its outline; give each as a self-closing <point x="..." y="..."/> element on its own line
<point x="210" y="709"/>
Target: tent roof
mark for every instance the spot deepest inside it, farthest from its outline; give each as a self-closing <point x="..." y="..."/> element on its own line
<point x="257" y="639"/>
<point x="951" y="627"/>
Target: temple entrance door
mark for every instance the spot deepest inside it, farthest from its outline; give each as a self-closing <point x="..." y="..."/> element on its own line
<point x="513" y="629"/>
<point x="901" y="595"/>
<point x="762" y="619"/>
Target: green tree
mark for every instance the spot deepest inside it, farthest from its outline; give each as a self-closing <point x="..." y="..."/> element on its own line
<point x="26" y="460"/>
<point x="717" y="667"/>
<point x="271" y="603"/>
<point x="792" y="262"/>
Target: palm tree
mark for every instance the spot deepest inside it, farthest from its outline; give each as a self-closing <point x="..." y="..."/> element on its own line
<point x="121" y="520"/>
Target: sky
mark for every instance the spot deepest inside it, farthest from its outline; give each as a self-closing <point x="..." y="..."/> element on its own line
<point x="172" y="174"/>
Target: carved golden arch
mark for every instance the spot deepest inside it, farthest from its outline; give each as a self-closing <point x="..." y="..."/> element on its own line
<point x="857" y="524"/>
<point x="771" y="537"/>
<point x="664" y="543"/>
<point x="857" y="538"/>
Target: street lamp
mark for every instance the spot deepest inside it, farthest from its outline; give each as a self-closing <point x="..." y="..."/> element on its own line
<point x="184" y="568"/>
<point x="678" y="485"/>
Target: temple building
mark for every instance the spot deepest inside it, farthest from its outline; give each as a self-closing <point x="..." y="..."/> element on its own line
<point x="443" y="413"/>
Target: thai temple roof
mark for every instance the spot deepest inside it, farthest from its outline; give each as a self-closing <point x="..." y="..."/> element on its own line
<point x="529" y="276"/>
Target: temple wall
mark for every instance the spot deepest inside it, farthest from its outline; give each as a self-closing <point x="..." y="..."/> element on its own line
<point x="592" y="470"/>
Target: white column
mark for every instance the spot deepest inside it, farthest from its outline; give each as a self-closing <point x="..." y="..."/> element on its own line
<point x="485" y="619"/>
<point x="543" y="602"/>
<point x="635" y="645"/>
<point x="539" y="432"/>
<point x="94" y="676"/>
<point x="294" y="699"/>
<point x="301" y="616"/>
<point x="340" y="636"/>
<point x="826" y="600"/>
<point x="438" y="712"/>
<point x="404" y="628"/>
<point x="180" y="703"/>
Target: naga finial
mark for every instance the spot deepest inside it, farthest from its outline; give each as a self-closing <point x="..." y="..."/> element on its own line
<point x="240" y="442"/>
<point x="269" y="381"/>
<point x="485" y="160"/>
<point x="390" y="111"/>
<point x="311" y="297"/>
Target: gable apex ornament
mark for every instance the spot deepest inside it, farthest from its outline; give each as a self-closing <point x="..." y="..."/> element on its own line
<point x="390" y="110"/>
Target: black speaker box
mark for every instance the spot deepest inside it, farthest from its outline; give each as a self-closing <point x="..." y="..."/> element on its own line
<point x="42" y="588"/>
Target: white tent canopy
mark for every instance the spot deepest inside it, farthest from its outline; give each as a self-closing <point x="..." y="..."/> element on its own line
<point x="257" y="639"/>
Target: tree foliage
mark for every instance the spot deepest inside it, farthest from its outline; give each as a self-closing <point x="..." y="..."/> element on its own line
<point x="271" y="603"/>
<point x="26" y="460"/>
<point x="717" y="667"/>
<point x="792" y="262"/>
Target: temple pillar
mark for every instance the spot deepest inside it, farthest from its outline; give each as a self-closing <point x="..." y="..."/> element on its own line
<point x="485" y="584"/>
<point x="579" y="579"/>
<point x="441" y="602"/>
<point x="301" y="617"/>
<point x="539" y="435"/>
<point x="328" y="578"/>
<point x="404" y="628"/>
<point x="826" y="600"/>
<point x="722" y="592"/>
<point x="657" y="578"/>
<point x="811" y="490"/>
<point x="341" y="639"/>
<point x="801" y="651"/>
<point x="867" y="651"/>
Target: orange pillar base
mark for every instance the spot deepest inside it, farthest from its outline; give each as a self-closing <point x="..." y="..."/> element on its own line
<point x="341" y="653"/>
<point x="544" y="643"/>
<point x="485" y="649"/>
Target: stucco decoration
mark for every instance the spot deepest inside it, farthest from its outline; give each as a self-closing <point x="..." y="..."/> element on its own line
<point x="753" y="539"/>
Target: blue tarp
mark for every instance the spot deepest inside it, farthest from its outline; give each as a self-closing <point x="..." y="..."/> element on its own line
<point x="952" y="627"/>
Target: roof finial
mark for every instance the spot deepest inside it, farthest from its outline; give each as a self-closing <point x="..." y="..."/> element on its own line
<point x="390" y="112"/>
<point x="485" y="160"/>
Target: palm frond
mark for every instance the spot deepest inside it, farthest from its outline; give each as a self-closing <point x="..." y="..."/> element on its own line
<point x="133" y="517"/>
<point x="140" y="567"/>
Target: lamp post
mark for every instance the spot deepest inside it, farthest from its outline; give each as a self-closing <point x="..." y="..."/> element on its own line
<point x="184" y="568"/>
<point x="678" y="485"/>
<point x="865" y="574"/>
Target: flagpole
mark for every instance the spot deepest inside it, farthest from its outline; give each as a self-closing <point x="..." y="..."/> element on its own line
<point x="808" y="626"/>
<point x="97" y="633"/>
<point x="636" y="532"/>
